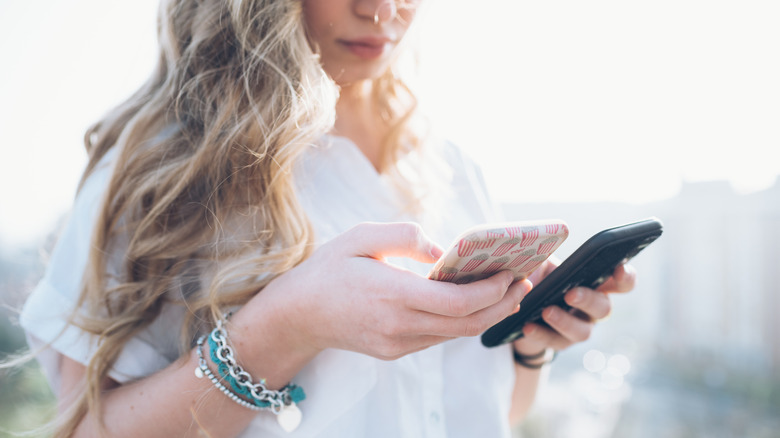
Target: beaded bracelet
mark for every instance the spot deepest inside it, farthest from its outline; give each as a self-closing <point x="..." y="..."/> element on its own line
<point x="283" y="402"/>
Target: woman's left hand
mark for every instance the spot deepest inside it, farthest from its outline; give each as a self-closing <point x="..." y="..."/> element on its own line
<point x="568" y="328"/>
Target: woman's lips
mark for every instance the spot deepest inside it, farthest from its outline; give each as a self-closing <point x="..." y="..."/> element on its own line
<point x="367" y="48"/>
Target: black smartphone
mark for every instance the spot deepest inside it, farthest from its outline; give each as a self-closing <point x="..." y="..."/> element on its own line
<point x="590" y="265"/>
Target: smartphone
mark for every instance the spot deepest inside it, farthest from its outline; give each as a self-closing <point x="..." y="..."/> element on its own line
<point x="480" y="252"/>
<point x="590" y="265"/>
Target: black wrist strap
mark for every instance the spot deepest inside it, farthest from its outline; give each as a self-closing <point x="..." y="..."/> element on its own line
<point x="522" y="359"/>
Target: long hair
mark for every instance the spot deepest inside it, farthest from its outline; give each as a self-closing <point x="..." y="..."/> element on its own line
<point x="201" y="208"/>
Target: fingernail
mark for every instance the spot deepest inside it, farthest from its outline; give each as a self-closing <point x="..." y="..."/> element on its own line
<point x="551" y="314"/>
<point x="528" y="286"/>
<point x="576" y="296"/>
<point x="436" y="251"/>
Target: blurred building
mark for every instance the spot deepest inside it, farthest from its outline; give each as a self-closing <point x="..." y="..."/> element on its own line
<point x="724" y="274"/>
<point x="693" y="350"/>
<point x="708" y="288"/>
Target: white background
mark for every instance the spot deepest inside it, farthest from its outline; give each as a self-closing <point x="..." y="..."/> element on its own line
<point x="604" y="100"/>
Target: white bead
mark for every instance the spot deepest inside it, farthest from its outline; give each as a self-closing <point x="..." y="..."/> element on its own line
<point x="198" y="373"/>
<point x="290" y="418"/>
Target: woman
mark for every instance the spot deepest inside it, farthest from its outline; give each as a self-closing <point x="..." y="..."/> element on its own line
<point x="256" y="214"/>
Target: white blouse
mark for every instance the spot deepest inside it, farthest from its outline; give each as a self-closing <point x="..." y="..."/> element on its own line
<point x="456" y="389"/>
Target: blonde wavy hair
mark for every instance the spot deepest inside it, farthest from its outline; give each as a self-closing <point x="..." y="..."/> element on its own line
<point x="203" y="185"/>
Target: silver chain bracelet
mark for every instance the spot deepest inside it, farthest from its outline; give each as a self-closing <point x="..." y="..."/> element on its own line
<point x="203" y="370"/>
<point x="283" y="403"/>
<point x="275" y="399"/>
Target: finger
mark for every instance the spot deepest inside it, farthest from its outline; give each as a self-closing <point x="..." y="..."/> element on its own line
<point x="380" y="240"/>
<point x="594" y="304"/>
<point x="544" y="270"/>
<point x="569" y="326"/>
<point x="536" y="338"/>
<point x="475" y="323"/>
<point x="459" y="300"/>
<point x="394" y="348"/>
<point x="623" y="279"/>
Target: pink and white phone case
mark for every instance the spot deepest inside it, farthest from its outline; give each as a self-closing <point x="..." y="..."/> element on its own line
<point x="484" y="250"/>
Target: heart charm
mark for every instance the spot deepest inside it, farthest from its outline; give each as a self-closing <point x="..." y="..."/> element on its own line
<point x="290" y="417"/>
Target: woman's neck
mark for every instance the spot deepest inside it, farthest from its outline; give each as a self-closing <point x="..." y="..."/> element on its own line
<point x="358" y="119"/>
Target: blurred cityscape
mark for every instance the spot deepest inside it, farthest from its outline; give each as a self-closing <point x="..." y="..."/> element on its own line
<point x="692" y="352"/>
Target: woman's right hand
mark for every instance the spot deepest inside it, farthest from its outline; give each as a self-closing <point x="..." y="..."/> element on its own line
<point x="347" y="296"/>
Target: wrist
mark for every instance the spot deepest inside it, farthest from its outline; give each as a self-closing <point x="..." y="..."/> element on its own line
<point x="266" y="345"/>
<point x="235" y="376"/>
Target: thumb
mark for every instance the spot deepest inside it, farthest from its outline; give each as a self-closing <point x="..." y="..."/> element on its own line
<point x="380" y="240"/>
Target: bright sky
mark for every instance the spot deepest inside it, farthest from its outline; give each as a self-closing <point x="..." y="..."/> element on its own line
<point x="605" y="100"/>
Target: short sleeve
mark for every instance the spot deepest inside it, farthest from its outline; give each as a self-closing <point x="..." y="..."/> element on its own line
<point x="46" y="314"/>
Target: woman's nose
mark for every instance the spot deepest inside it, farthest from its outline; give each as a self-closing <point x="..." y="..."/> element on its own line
<point x="378" y="11"/>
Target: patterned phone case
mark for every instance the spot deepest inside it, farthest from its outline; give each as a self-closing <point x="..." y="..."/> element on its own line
<point x="484" y="250"/>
